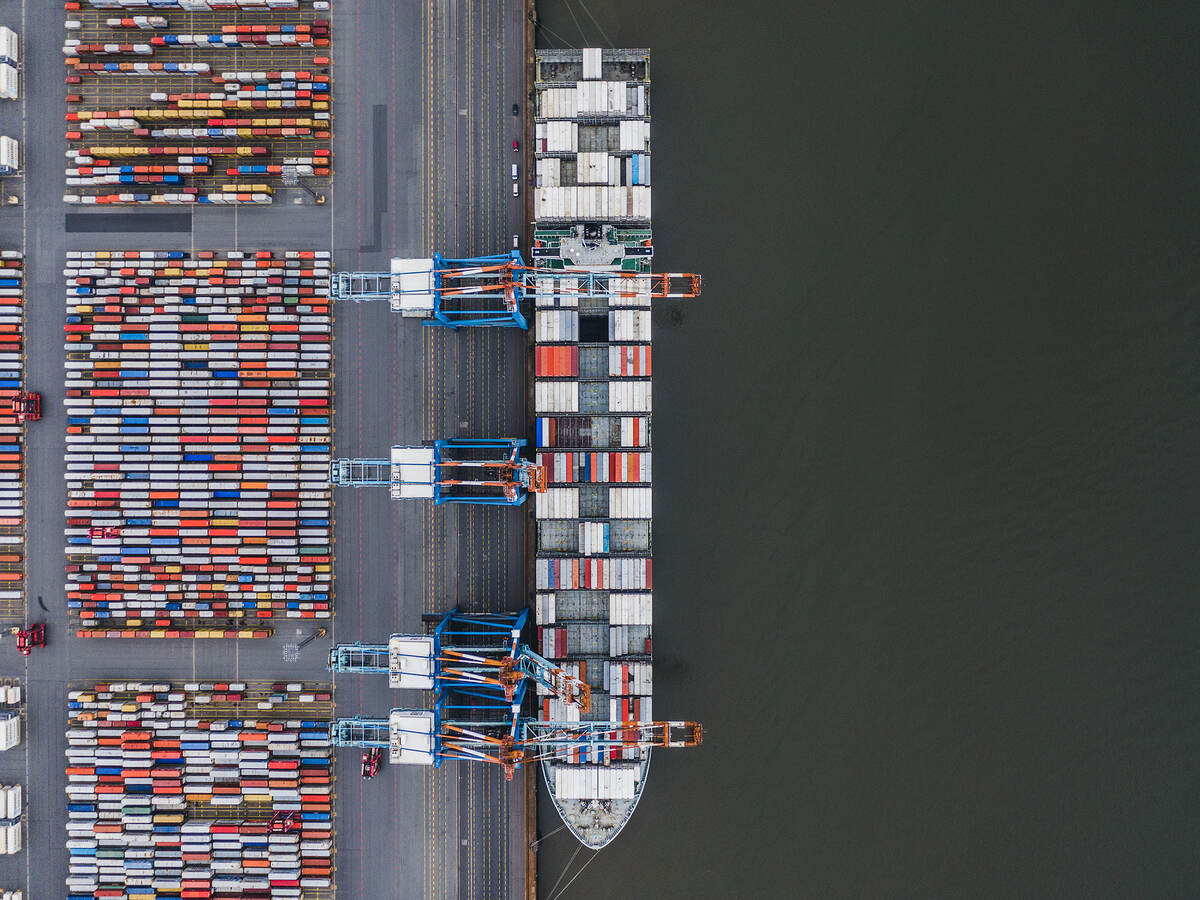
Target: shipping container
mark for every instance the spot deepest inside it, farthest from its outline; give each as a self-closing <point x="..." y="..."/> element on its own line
<point x="10" y="46"/>
<point x="9" y="82"/>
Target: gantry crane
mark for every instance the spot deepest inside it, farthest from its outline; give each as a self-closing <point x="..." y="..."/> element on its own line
<point x="617" y="288"/>
<point x="465" y="650"/>
<point x="476" y="715"/>
<point x="456" y="293"/>
<point x="499" y="734"/>
<point x="455" y="471"/>
<point x="488" y="290"/>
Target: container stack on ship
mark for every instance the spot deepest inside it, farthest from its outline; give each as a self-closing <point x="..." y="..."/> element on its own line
<point x="593" y="400"/>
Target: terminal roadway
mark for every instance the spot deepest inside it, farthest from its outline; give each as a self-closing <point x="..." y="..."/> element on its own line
<point x="422" y="148"/>
<point x="424" y="141"/>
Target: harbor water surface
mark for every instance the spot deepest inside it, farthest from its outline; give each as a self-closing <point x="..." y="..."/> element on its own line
<point x="926" y="493"/>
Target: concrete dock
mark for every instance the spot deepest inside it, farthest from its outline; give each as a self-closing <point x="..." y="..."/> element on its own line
<point x="423" y="131"/>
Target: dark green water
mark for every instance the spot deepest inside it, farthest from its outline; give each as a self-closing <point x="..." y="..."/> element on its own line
<point x="926" y="484"/>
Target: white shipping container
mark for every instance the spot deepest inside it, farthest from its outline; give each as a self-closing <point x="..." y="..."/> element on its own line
<point x="591" y="62"/>
<point x="10" y="156"/>
<point x="555" y="325"/>
<point x="10" y="48"/>
<point x="556" y="396"/>
<point x="592" y="168"/>
<point x="629" y="396"/>
<point x="630" y="503"/>
<point x="558" y="503"/>
<point x="630" y="609"/>
<point x="10" y="732"/>
<point x="9" y="86"/>
<point x="629" y="325"/>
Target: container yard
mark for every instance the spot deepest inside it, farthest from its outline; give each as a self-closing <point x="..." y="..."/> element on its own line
<point x="197" y="101"/>
<point x="196" y="430"/>
<point x="198" y="442"/>
<point x="198" y="790"/>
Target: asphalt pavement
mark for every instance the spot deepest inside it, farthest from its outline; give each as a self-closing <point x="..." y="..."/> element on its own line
<point x="422" y="148"/>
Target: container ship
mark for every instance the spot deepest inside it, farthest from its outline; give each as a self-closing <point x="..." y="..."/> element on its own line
<point x="592" y="400"/>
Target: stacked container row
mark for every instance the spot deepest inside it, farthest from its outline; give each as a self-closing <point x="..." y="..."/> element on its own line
<point x="615" y="608"/>
<point x="567" y="467"/>
<point x="12" y="437"/>
<point x="593" y="431"/>
<point x="595" y="573"/>
<point x="165" y="800"/>
<point x="592" y="98"/>
<point x="198" y="441"/>
<point x="592" y="203"/>
<point x="198" y="5"/>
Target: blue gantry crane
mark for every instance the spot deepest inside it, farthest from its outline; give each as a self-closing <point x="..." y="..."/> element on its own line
<point x="470" y="726"/>
<point x="465" y="650"/>
<point x="480" y="471"/>
<point x="456" y="293"/>
<point x="479" y="672"/>
<point x="614" y="287"/>
<point x="488" y="290"/>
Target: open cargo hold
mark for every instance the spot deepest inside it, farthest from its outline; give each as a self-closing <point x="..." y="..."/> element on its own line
<point x="199" y="790"/>
<point x="198" y="441"/>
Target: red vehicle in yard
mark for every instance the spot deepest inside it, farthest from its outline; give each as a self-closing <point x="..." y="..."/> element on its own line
<point x="33" y="636"/>
<point x="27" y="407"/>
<point x="370" y="762"/>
